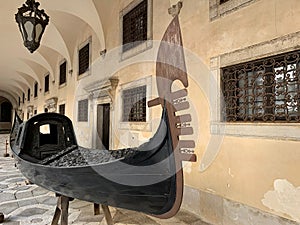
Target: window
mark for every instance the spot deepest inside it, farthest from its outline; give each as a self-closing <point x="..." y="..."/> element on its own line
<point x="23" y="98"/>
<point x="62" y="73"/>
<point x="83" y="109"/>
<point x="19" y="101"/>
<point x="35" y="89"/>
<point x="28" y="95"/>
<point x="48" y="134"/>
<point x="84" y="59"/>
<point x="35" y="112"/>
<point x="218" y="8"/>
<point x="134" y="104"/>
<point x="62" y="109"/>
<point x="136" y="32"/>
<point x="223" y="1"/>
<point x="135" y="26"/>
<point x="47" y="77"/>
<point x="265" y="90"/>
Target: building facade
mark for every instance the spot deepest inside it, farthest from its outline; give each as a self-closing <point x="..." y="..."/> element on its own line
<point x="96" y="64"/>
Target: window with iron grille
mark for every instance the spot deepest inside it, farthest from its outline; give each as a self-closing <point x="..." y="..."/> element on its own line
<point x="62" y="73"/>
<point x="83" y="110"/>
<point x="28" y="95"/>
<point x="35" y="89"/>
<point x="62" y="109"/>
<point x="265" y="90"/>
<point x="134" y="104"/>
<point x="84" y="59"/>
<point x="135" y="26"/>
<point x="47" y="77"/>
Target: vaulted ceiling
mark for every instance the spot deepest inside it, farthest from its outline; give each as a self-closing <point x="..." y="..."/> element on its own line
<point x="19" y="69"/>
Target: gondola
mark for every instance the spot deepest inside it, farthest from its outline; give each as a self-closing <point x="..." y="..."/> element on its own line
<point x="147" y="178"/>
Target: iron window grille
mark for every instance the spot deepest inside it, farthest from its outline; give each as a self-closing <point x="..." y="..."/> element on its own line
<point x="62" y="73"/>
<point x="84" y="59"/>
<point x="62" y="109"/>
<point x="223" y="1"/>
<point x="47" y="79"/>
<point x="35" y="89"/>
<point x="28" y="95"/>
<point x="265" y="90"/>
<point x="83" y="110"/>
<point x="135" y="26"/>
<point x="134" y="104"/>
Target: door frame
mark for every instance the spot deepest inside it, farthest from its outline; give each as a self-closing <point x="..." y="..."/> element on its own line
<point x="105" y="100"/>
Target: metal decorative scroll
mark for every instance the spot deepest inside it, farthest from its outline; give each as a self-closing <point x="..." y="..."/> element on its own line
<point x="266" y="90"/>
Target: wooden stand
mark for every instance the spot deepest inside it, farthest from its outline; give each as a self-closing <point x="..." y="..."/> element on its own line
<point x="106" y="211"/>
<point x="62" y="210"/>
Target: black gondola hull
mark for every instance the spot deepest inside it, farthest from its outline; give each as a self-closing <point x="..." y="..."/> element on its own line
<point x="87" y="183"/>
<point x="144" y="182"/>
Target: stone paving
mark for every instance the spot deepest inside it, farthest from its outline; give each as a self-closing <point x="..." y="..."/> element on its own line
<point x="29" y="204"/>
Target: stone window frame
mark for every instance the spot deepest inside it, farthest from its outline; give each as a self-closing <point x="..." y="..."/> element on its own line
<point x="146" y="44"/>
<point x="280" y="131"/>
<point x="82" y="45"/>
<point x="218" y="9"/>
<point x="139" y="126"/>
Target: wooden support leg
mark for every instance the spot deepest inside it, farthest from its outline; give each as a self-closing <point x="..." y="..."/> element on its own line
<point x="64" y="210"/>
<point x="96" y="209"/>
<point x="107" y="215"/>
<point x="61" y="211"/>
<point x="57" y="212"/>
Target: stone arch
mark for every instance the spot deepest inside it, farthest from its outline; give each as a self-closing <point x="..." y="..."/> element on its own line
<point x="10" y="98"/>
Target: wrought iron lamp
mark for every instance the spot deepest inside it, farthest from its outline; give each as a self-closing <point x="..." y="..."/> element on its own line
<point x="32" y="23"/>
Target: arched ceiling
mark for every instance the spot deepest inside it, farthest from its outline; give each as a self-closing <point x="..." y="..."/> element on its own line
<point x="19" y="69"/>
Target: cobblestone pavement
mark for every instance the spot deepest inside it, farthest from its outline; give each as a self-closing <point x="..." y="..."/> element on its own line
<point x="29" y="204"/>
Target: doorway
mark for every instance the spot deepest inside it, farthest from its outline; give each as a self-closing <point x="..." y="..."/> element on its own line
<point x="6" y="108"/>
<point x="103" y="126"/>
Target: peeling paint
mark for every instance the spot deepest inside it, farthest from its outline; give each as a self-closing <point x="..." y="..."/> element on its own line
<point x="230" y="173"/>
<point x="285" y="198"/>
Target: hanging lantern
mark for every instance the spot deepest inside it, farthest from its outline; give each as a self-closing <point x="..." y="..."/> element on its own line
<point x="32" y="23"/>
